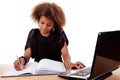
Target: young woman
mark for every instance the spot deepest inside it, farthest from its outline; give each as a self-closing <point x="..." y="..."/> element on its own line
<point x="49" y="40"/>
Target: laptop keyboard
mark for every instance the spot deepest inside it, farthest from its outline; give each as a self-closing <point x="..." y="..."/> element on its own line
<point x="83" y="72"/>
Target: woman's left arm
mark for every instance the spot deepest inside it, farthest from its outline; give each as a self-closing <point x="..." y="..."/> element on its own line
<point x="67" y="59"/>
<point x="66" y="56"/>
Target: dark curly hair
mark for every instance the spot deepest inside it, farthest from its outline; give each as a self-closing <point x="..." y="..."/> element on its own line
<point x="51" y="11"/>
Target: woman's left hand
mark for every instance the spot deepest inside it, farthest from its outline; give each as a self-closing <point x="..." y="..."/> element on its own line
<point x="77" y="65"/>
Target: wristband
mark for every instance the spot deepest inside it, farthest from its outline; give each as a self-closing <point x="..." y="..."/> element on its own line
<point x="24" y="59"/>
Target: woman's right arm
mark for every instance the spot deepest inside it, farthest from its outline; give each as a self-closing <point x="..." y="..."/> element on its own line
<point x="27" y="55"/>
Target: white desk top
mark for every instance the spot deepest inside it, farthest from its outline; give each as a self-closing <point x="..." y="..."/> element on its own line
<point x="6" y="67"/>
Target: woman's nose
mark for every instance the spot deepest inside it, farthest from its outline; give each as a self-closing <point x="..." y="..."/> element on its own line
<point x="44" y="26"/>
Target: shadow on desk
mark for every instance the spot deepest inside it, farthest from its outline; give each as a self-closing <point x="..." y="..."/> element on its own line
<point x="6" y="67"/>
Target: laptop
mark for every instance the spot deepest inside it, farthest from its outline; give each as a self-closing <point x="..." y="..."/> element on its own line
<point x="106" y="59"/>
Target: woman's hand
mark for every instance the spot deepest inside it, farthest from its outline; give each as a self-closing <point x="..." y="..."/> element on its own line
<point x="77" y="65"/>
<point x="23" y="60"/>
<point x="19" y="66"/>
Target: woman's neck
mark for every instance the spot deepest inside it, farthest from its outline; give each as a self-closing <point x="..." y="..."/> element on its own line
<point x="45" y="35"/>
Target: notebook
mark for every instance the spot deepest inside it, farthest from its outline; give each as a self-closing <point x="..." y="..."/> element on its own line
<point x="106" y="58"/>
<point x="44" y="67"/>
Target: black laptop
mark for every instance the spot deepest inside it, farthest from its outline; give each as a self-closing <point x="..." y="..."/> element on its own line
<point x="106" y="59"/>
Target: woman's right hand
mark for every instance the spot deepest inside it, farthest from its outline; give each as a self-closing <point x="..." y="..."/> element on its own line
<point x="20" y="66"/>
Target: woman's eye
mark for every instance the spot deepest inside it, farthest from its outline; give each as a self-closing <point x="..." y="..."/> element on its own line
<point x="42" y="22"/>
<point x="48" y="24"/>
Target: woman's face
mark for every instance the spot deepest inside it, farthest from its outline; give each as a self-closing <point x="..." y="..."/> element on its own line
<point x="45" y="26"/>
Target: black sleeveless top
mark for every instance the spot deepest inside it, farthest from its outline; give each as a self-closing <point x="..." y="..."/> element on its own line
<point x="45" y="47"/>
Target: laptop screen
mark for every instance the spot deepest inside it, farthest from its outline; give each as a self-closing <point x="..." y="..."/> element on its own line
<point x="107" y="54"/>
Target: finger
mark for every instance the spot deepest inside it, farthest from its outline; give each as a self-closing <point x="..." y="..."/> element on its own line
<point x="74" y="66"/>
<point x="17" y="68"/>
<point x="22" y="66"/>
<point x="22" y="62"/>
<point x="80" y="64"/>
<point x="77" y="66"/>
<point x="16" y="65"/>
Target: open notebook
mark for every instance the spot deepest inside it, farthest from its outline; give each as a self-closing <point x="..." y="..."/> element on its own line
<point x="45" y="66"/>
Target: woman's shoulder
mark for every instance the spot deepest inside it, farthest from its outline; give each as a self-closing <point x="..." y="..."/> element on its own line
<point x="63" y="37"/>
<point x="33" y="32"/>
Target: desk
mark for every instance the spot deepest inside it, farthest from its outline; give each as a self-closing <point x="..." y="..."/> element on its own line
<point x="5" y="67"/>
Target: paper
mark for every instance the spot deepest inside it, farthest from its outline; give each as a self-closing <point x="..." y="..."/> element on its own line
<point x="45" y="66"/>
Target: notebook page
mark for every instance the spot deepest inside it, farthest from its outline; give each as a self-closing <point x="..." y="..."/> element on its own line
<point x="29" y="68"/>
<point x="49" y="66"/>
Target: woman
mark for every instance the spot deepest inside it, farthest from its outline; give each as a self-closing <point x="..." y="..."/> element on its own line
<point x="49" y="40"/>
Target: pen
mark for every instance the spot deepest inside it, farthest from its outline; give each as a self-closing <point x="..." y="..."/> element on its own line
<point x="18" y="59"/>
<point x="21" y="66"/>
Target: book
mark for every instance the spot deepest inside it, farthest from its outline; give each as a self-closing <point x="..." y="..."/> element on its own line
<point x="43" y="67"/>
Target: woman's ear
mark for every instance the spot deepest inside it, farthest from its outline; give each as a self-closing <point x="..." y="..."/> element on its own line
<point x="53" y="29"/>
